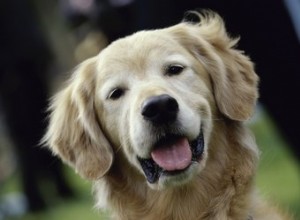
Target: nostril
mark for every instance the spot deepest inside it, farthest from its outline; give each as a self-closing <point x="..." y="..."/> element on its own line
<point x="160" y="109"/>
<point x="150" y="109"/>
<point x="171" y="105"/>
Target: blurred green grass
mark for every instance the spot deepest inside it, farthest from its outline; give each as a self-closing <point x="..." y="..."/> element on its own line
<point x="278" y="180"/>
<point x="278" y="176"/>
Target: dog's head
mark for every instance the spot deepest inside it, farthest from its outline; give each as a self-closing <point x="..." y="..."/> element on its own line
<point x="152" y="97"/>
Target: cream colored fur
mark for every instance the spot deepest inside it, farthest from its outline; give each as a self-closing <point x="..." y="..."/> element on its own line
<point x="102" y="137"/>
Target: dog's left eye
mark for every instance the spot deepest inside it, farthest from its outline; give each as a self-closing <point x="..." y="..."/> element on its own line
<point x="174" y="69"/>
<point x="116" y="93"/>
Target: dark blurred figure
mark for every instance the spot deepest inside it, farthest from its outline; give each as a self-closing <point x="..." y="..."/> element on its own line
<point x="267" y="36"/>
<point x="24" y="60"/>
<point x="115" y="18"/>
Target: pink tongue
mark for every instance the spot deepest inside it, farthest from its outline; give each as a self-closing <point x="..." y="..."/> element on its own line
<point x="176" y="156"/>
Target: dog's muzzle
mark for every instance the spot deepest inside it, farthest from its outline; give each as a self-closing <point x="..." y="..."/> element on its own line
<point x="172" y="154"/>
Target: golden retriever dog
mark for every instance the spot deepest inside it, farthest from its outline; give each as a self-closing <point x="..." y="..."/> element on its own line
<point x="156" y="121"/>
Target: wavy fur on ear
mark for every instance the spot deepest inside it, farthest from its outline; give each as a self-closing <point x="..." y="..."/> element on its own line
<point x="232" y="72"/>
<point x="74" y="133"/>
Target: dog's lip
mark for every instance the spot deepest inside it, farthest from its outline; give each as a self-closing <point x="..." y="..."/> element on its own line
<point x="153" y="171"/>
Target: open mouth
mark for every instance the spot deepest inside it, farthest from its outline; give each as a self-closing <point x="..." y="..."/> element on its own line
<point x="171" y="155"/>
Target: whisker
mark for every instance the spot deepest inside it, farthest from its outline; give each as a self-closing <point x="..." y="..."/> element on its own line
<point x="118" y="149"/>
<point x="213" y="119"/>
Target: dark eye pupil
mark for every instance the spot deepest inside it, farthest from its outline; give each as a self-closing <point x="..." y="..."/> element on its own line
<point x="174" y="69"/>
<point x="116" y="93"/>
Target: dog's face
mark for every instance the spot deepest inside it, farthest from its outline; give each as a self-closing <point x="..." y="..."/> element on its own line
<point x="152" y="97"/>
<point x="156" y="105"/>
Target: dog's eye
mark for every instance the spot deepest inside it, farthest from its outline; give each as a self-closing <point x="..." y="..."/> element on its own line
<point x="116" y="93"/>
<point x="174" y="69"/>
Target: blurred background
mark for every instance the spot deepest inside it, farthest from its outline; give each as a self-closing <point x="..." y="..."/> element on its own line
<point x="42" y="41"/>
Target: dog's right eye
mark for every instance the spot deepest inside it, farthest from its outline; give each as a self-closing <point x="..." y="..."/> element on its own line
<point x="116" y="93"/>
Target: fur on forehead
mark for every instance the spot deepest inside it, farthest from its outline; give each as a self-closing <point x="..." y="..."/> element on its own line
<point x="140" y="47"/>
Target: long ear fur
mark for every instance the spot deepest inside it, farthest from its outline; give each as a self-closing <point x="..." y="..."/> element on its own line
<point x="74" y="133"/>
<point x="232" y="73"/>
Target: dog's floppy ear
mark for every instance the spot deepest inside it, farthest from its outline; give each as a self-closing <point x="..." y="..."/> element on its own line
<point x="74" y="133"/>
<point x="232" y="73"/>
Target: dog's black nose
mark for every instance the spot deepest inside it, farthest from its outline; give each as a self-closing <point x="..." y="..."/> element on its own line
<point x="160" y="109"/>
